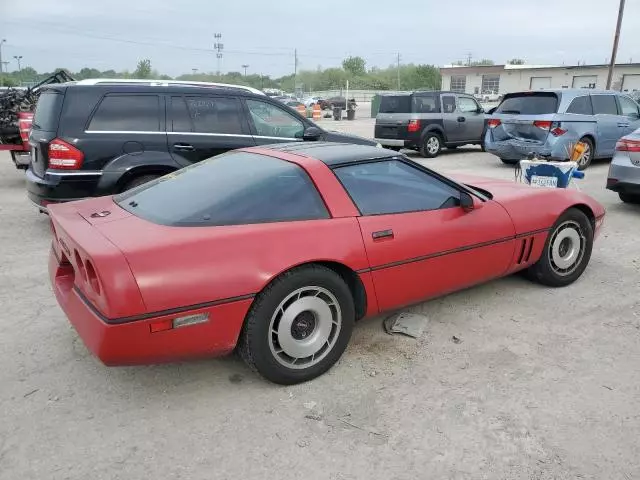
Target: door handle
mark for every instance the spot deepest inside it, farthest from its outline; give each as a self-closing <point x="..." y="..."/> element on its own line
<point x="183" y="147"/>
<point x="625" y="125"/>
<point x="382" y="234"/>
<point x="462" y="119"/>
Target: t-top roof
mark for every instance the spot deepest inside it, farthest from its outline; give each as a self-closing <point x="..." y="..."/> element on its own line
<point x="334" y="154"/>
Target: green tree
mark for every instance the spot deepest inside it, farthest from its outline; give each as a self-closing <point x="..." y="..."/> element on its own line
<point x="516" y="61"/>
<point x="356" y="66"/>
<point x="143" y="70"/>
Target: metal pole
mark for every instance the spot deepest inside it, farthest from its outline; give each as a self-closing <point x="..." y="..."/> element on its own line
<point x="398" y="71"/>
<point x="295" y="69"/>
<point x="245" y="66"/>
<point x="616" y="38"/>
<point x="1" y="76"/>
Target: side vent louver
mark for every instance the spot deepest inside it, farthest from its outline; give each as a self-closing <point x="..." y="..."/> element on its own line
<point x="526" y="247"/>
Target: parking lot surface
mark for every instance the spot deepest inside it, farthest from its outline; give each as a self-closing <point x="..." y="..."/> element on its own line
<point x="540" y="384"/>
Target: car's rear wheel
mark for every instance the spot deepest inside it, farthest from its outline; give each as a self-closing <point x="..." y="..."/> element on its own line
<point x="629" y="198"/>
<point x="587" y="156"/>
<point x="431" y="145"/>
<point x="508" y="161"/>
<point x="137" y="181"/>
<point x="298" y="326"/>
<point x="566" y="252"/>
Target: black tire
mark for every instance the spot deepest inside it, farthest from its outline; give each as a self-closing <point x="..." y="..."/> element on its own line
<point x="137" y="181"/>
<point x="629" y="198"/>
<point x="257" y="339"/>
<point x="431" y="145"/>
<point x="482" y="147"/>
<point x="508" y="161"/>
<point x="583" y="163"/>
<point x="574" y="223"/>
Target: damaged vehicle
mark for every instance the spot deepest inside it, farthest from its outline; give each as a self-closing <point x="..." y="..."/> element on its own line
<point x="549" y="122"/>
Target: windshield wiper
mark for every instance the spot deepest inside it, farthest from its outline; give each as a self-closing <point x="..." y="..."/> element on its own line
<point x="515" y="112"/>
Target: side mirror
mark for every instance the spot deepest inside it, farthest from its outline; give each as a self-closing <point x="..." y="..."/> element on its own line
<point x="466" y="202"/>
<point x="480" y="110"/>
<point x="312" y="133"/>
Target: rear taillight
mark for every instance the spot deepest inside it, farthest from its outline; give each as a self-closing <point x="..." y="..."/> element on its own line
<point x="413" y="126"/>
<point x="24" y="123"/>
<point x="64" y="156"/>
<point x="543" y="124"/>
<point x="493" y="122"/>
<point x="626" y="145"/>
<point x="553" y="128"/>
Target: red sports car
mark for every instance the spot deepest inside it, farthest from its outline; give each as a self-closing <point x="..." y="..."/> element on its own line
<point x="277" y="251"/>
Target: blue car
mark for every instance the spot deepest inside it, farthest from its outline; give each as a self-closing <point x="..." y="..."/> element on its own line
<point x="549" y="122"/>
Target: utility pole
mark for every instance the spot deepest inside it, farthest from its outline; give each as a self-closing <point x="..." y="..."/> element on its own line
<point x="218" y="47"/>
<point x="398" y="69"/>
<point x="295" y="69"/>
<point x="18" y="58"/>
<point x="469" y="57"/>
<point x="616" y="38"/>
<point x="245" y="66"/>
<point x="4" y="40"/>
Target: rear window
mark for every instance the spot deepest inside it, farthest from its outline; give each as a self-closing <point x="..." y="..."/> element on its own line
<point x="395" y="104"/>
<point x="231" y="189"/>
<point x="127" y="113"/>
<point x="48" y="111"/>
<point x="538" y="103"/>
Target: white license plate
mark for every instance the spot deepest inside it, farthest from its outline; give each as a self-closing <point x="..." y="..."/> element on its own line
<point x="551" y="182"/>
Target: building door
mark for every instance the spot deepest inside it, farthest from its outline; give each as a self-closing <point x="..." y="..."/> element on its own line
<point x="539" y="83"/>
<point x="630" y="83"/>
<point x="584" y="81"/>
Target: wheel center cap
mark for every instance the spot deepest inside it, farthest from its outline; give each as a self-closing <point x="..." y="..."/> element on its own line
<point x="303" y="325"/>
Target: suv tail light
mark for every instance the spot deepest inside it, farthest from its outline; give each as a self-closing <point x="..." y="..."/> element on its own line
<point x="64" y="156"/>
<point x="493" y="122"/>
<point x="413" y="126"/>
<point x="24" y="123"/>
<point x="627" y="145"/>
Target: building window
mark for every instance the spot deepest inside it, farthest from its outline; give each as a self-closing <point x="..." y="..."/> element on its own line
<point x="490" y="83"/>
<point x="458" y="83"/>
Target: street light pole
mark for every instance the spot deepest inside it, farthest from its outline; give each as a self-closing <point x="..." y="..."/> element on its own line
<point x="18" y="58"/>
<point x="4" y="40"/>
<point x="616" y="39"/>
<point x="245" y="69"/>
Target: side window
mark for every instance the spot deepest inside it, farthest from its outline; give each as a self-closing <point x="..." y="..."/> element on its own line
<point x="629" y="107"/>
<point x="604" y="104"/>
<point x="127" y="113"/>
<point x="468" y="105"/>
<point x="272" y="121"/>
<point x="425" y="104"/>
<point x="581" y="106"/>
<point x="448" y="104"/>
<point x="215" y="114"/>
<point x="392" y="186"/>
<point x="180" y="121"/>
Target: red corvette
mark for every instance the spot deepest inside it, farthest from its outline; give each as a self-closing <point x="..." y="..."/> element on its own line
<point x="279" y="250"/>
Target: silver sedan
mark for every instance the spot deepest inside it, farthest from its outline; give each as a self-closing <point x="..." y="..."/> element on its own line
<point x="624" y="172"/>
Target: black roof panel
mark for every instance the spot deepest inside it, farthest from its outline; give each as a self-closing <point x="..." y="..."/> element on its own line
<point x="334" y="154"/>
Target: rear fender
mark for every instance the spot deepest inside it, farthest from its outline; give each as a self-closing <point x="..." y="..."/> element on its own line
<point x="122" y="168"/>
<point x="433" y="127"/>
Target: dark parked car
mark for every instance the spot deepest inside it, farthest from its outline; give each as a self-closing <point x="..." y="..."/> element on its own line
<point x="427" y="121"/>
<point x="95" y="137"/>
<point x="331" y="102"/>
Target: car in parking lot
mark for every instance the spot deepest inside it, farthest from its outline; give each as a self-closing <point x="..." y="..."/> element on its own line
<point x="624" y="171"/>
<point x="549" y="122"/>
<point x="278" y="250"/>
<point x="100" y="137"/>
<point x="429" y="121"/>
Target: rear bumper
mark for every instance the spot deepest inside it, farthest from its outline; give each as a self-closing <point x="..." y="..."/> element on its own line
<point x="388" y="142"/>
<point x="554" y="148"/>
<point x="56" y="187"/>
<point x="623" y="177"/>
<point x="122" y="342"/>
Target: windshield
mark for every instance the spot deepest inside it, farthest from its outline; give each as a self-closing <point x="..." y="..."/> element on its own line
<point x="48" y="111"/>
<point x="231" y="189"/>
<point x="529" y="103"/>
<point x="395" y="104"/>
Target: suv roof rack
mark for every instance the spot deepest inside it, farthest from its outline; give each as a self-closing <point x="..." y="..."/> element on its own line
<point x="163" y="83"/>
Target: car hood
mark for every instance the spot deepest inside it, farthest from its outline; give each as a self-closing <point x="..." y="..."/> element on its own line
<point x="331" y="136"/>
<point x="531" y="208"/>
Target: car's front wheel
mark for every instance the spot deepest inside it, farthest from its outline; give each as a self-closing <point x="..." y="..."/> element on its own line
<point x="298" y="326"/>
<point x="431" y="145"/>
<point x="566" y="252"/>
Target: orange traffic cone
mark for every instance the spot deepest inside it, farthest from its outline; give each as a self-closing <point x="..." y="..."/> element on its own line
<point x="302" y="110"/>
<point x="317" y="112"/>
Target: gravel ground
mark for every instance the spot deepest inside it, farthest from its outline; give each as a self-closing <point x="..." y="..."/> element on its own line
<point x="543" y="385"/>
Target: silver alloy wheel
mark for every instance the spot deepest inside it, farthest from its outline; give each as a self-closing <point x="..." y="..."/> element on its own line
<point x="305" y="327"/>
<point x="566" y="249"/>
<point x="433" y="145"/>
<point x="584" y="158"/>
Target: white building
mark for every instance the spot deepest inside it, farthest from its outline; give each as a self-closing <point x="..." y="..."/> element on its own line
<point x="513" y="78"/>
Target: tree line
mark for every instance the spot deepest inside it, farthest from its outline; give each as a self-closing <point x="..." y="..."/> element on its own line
<point x="353" y="69"/>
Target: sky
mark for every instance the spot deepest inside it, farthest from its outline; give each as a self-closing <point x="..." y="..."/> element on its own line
<point x="179" y="36"/>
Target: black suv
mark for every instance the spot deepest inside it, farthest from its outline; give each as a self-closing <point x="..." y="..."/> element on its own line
<point x="99" y="137"/>
<point x="427" y="121"/>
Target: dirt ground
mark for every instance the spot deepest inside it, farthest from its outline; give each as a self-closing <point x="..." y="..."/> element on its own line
<point x="544" y="383"/>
